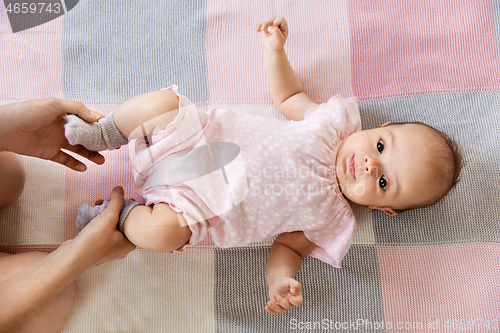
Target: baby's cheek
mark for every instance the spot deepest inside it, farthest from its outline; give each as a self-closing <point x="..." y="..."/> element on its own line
<point x="362" y="193"/>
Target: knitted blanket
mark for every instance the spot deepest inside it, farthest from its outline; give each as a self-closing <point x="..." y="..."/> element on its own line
<point x="437" y="61"/>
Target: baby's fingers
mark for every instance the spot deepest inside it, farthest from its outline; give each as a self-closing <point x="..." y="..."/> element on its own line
<point x="295" y="288"/>
<point x="295" y="300"/>
<point x="269" y="309"/>
<point x="263" y="25"/>
<point x="274" y="308"/>
<point x="281" y="304"/>
<point x="281" y="23"/>
<point x="275" y="32"/>
<point x="284" y="302"/>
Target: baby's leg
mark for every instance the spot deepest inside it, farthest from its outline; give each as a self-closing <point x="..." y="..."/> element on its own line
<point x="156" y="228"/>
<point x="139" y="116"/>
<point x="148" y="112"/>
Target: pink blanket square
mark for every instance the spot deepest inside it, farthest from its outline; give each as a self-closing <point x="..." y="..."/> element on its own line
<point x="396" y="52"/>
<point x="31" y="63"/>
<point x="235" y="55"/>
<point x="438" y="288"/>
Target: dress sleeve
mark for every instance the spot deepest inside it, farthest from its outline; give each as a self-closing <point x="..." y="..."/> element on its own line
<point x="334" y="239"/>
<point x="341" y="113"/>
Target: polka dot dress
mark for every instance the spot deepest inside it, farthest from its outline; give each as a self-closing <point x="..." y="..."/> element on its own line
<point x="262" y="176"/>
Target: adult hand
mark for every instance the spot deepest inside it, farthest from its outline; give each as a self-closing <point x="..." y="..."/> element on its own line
<point x="36" y="128"/>
<point x="32" y="286"/>
<point x="101" y="236"/>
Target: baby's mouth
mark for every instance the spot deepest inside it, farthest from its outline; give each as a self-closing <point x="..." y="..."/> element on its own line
<point x="352" y="167"/>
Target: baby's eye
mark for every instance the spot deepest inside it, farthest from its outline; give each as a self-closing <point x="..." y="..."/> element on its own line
<point x="380" y="146"/>
<point x="383" y="182"/>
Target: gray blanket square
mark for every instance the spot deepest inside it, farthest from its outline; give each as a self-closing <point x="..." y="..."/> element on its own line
<point x="332" y="297"/>
<point x="105" y="63"/>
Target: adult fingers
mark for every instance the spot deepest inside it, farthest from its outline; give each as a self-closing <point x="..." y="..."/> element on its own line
<point x="84" y="152"/>
<point x="121" y="248"/>
<point x="78" y="108"/>
<point x="125" y="248"/>
<point x="68" y="161"/>
<point x="116" y="203"/>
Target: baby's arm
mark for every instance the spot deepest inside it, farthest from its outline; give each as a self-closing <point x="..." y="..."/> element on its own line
<point x="284" y="85"/>
<point x="285" y="259"/>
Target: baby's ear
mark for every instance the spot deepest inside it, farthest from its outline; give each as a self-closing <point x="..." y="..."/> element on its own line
<point x="386" y="124"/>
<point x="387" y="210"/>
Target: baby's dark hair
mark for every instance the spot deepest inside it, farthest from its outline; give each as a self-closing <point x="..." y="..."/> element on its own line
<point x="447" y="160"/>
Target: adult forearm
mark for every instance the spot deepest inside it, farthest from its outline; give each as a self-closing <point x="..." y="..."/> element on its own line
<point x="28" y="291"/>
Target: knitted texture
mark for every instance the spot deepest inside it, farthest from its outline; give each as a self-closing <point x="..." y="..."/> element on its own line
<point x="435" y="61"/>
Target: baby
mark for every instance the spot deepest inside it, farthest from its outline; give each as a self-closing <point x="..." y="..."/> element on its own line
<point x="247" y="178"/>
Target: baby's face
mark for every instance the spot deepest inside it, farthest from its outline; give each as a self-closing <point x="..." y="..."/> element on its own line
<point x="386" y="167"/>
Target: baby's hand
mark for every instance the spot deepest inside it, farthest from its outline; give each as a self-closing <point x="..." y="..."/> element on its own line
<point x="284" y="294"/>
<point x="275" y="32"/>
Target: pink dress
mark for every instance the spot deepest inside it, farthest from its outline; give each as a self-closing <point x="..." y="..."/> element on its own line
<point x="247" y="178"/>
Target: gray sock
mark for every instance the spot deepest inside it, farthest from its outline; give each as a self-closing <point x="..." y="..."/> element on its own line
<point x="87" y="213"/>
<point x="102" y="135"/>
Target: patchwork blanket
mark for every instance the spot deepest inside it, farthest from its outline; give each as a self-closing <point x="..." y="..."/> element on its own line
<point x="436" y="61"/>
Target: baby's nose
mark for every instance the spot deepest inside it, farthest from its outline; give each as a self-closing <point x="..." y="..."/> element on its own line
<point x="371" y="165"/>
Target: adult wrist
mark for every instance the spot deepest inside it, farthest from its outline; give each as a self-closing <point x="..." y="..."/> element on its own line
<point x="84" y="253"/>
